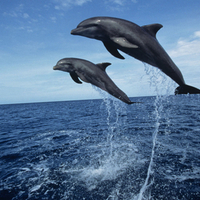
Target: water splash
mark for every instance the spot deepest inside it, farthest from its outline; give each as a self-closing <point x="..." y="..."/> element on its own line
<point x="157" y="81"/>
<point x="161" y="84"/>
<point x="114" y="160"/>
<point x="146" y="185"/>
<point x="116" y="114"/>
<point x="162" y="87"/>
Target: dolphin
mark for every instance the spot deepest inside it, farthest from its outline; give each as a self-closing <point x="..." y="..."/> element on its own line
<point x="91" y="73"/>
<point x="137" y="41"/>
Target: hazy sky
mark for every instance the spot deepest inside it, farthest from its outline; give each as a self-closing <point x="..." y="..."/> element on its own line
<point x="36" y="34"/>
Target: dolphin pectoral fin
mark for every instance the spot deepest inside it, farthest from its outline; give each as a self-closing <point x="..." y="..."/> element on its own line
<point x="75" y="77"/>
<point x="113" y="50"/>
<point x="152" y="29"/>
<point x="123" y="42"/>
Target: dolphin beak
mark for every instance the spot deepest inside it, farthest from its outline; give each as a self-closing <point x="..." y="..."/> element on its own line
<point x="76" y="31"/>
<point x="55" y="67"/>
<point x="73" y="31"/>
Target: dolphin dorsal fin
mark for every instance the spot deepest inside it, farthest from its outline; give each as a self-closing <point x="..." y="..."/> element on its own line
<point x="152" y="29"/>
<point x="103" y="66"/>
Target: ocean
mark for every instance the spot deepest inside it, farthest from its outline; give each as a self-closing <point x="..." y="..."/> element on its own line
<point x="101" y="149"/>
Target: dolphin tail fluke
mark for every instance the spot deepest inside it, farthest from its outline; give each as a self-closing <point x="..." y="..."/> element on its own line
<point x="186" y="89"/>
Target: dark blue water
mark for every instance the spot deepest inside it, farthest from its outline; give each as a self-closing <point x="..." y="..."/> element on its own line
<point x="101" y="149"/>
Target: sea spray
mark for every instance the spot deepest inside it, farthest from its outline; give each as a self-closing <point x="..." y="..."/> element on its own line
<point x="116" y="114"/>
<point x="161" y="86"/>
<point x="161" y="83"/>
<point x="116" y="118"/>
<point x="146" y="185"/>
<point x="113" y="161"/>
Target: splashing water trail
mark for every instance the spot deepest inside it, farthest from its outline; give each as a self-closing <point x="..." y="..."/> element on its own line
<point x="157" y="79"/>
<point x="158" y="109"/>
<point x="115" y="109"/>
<point x="113" y="160"/>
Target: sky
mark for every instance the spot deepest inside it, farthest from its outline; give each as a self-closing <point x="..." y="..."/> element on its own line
<point x="36" y="34"/>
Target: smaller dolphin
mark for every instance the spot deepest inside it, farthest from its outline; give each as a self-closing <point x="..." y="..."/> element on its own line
<point x="137" y="41"/>
<point x="91" y="73"/>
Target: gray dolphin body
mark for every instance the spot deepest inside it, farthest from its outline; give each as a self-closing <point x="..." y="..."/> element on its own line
<point x="137" y="41"/>
<point x="91" y="73"/>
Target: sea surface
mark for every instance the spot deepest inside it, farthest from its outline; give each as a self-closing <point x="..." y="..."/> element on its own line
<point x="101" y="149"/>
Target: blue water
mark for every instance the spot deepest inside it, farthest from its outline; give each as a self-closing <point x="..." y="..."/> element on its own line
<point x="101" y="149"/>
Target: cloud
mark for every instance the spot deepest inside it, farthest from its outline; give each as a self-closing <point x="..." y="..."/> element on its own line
<point x="53" y="19"/>
<point x="118" y="5"/>
<point x="11" y="14"/>
<point x="111" y="4"/>
<point x="25" y="16"/>
<point x="186" y="57"/>
<point x="63" y="4"/>
<point x="119" y="2"/>
<point x="16" y="12"/>
<point x="197" y="34"/>
<point x="187" y="46"/>
<point x="115" y="5"/>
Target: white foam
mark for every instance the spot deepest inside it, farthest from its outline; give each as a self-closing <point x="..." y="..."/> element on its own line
<point x="35" y="188"/>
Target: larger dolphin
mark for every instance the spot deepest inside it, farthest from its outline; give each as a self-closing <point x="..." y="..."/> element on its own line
<point x="91" y="73"/>
<point x="137" y="41"/>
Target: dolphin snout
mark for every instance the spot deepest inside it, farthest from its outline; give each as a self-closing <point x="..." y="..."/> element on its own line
<point x="77" y="31"/>
<point x="72" y="31"/>
<point x="55" y="67"/>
